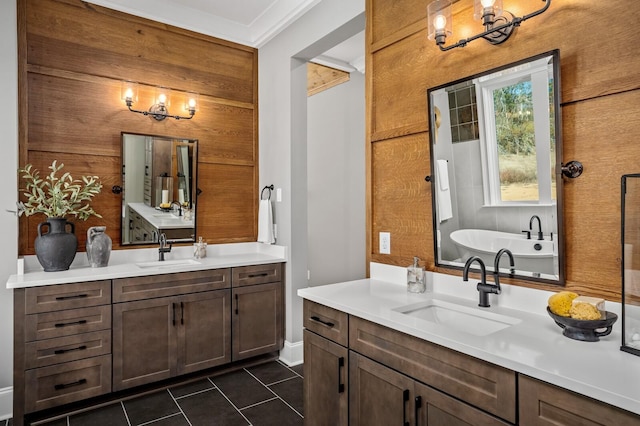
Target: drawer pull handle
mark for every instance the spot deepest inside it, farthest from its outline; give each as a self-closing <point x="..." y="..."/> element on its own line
<point x="417" y="408"/>
<point x="262" y="274"/>
<point x="65" y="324"/>
<point x="327" y="323"/>
<point x="69" y="385"/>
<point x="405" y="399"/>
<point x="236" y="303"/>
<point x="340" y="365"/>
<point x="76" y="296"/>
<point x="182" y="313"/>
<point x="64" y="351"/>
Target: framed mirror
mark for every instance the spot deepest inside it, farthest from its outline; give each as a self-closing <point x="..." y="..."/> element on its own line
<point x="496" y="161"/>
<point x="158" y="180"/>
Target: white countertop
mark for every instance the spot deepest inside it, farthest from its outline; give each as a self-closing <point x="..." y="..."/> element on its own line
<point x="123" y="263"/>
<point x="535" y="346"/>
<point x="161" y="219"/>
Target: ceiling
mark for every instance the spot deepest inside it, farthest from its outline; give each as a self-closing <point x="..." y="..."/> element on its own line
<point x="248" y="22"/>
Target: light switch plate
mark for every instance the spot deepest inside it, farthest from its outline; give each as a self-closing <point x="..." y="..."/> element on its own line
<point x="385" y="243"/>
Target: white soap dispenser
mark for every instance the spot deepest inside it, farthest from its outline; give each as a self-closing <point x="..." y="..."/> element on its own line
<point x="416" y="278"/>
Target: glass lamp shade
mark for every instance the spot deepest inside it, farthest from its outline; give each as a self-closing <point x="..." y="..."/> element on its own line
<point x="129" y="91"/>
<point x="480" y="8"/>
<point x="191" y="102"/>
<point x="162" y="96"/>
<point x="439" y="20"/>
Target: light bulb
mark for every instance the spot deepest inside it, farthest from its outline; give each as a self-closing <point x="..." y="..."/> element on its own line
<point x="487" y="3"/>
<point x="439" y="22"/>
<point x="192" y="103"/>
<point x="128" y="94"/>
<point x="162" y="98"/>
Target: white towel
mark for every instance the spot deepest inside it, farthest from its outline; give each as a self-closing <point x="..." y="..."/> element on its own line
<point x="443" y="193"/>
<point x="265" y="223"/>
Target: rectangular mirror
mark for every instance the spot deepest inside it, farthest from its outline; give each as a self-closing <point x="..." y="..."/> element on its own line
<point x="158" y="180"/>
<point x="496" y="169"/>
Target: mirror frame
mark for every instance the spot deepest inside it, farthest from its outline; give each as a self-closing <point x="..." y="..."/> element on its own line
<point x="192" y="195"/>
<point x="560" y="237"/>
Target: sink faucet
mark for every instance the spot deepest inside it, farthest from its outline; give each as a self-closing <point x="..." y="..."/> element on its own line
<point x="540" y="237"/>
<point x="496" y="266"/>
<point x="179" y="207"/>
<point x="162" y="240"/>
<point x="484" y="289"/>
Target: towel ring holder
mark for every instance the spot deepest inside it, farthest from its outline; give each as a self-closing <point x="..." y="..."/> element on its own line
<point x="270" y="188"/>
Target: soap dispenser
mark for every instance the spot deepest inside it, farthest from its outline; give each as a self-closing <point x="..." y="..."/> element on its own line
<point x="200" y="249"/>
<point x="416" y="278"/>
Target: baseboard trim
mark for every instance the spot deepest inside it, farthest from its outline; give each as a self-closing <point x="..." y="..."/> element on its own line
<point x="292" y="353"/>
<point x="6" y="403"/>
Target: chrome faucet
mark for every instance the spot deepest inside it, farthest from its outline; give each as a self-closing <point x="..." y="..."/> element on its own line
<point x="496" y="266"/>
<point x="540" y="236"/>
<point x="162" y="240"/>
<point x="484" y="289"/>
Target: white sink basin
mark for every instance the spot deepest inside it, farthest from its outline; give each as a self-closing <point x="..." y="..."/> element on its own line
<point x="163" y="264"/>
<point x="166" y="216"/>
<point x="466" y="319"/>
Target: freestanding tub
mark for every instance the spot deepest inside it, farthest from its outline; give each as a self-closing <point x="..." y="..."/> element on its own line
<point x="529" y="255"/>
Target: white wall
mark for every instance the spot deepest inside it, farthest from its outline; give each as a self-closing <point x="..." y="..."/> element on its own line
<point x="336" y="183"/>
<point x="283" y="116"/>
<point x="8" y="193"/>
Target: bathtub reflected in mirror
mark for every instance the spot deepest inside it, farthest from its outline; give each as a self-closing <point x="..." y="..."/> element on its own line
<point x="496" y="155"/>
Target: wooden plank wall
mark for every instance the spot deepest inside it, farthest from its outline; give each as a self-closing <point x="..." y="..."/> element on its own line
<point x="600" y="75"/>
<point x="72" y="58"/>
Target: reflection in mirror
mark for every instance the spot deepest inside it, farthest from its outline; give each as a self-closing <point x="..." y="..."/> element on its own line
<point x="158" y="179"/>
<point x="496" y="156"/>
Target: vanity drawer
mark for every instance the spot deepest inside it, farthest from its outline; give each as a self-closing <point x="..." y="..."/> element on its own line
<point x="68" y="382"/>
<point x="67" y="296"/>
<point x="327" y="322"/>
<point x="48" y="325"/>
<point x="258" y="274"/>
<point x="64" y="349"/>
<point x="139" y="288"/>
<point x="484" y="385"/>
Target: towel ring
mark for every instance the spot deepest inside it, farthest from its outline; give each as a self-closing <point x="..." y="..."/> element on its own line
<point x="270" y="188"/>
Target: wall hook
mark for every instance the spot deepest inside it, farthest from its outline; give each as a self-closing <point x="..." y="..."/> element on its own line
<point x="572" y="169"/>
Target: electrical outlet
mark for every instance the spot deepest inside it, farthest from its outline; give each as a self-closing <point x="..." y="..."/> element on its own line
<point x="385" y="243"/>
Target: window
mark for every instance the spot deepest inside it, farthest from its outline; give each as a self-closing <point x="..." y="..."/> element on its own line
<point x="518" y="137"/>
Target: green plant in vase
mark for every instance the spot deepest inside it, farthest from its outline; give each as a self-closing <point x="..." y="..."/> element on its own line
<point x="57" y="197"/>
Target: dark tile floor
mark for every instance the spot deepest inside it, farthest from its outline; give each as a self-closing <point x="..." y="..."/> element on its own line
<point x="264" y="395"/>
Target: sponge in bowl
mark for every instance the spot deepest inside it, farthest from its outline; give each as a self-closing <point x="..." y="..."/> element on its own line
<point x="560" y="303"/>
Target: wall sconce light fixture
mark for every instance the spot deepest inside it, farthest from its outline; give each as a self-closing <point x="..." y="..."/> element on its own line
<point x="498" y="28"/>
<point x="160" y="108"/>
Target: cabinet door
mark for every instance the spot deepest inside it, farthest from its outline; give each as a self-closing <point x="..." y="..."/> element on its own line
<point x="326" y="387"/>
<point x="257" y="320"/>
<point x="144" y="339"/>
<point x="377" y="394"/>
<point x="548" y="405"/>
<point x="204" y="330"/>
<point x="434" y="408"/>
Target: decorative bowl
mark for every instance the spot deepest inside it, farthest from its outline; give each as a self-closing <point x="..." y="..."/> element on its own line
<point x="585" y="330"/>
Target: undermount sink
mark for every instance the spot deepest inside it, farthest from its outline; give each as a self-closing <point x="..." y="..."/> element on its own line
<point x="162" y="264"/>
<point x="466" y="319"/>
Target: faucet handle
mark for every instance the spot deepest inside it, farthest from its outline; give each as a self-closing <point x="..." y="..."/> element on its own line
<point x="528" y="232"/>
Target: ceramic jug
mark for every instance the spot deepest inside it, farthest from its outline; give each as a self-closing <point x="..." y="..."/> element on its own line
<point x="98" y="246"/>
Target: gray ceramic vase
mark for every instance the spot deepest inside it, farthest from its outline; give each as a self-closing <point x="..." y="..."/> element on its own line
<point x="98" y="246"/>
<point x="56" y="248"/>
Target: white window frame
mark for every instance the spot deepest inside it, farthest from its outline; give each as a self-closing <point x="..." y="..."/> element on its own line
<point x="538" y="73"/>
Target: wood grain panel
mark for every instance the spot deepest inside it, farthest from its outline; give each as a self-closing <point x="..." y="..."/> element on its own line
<point x="600" y="78"/>
<point x="227" y="206"/>
<point x="402" y="198"/>
<point x="321" y="78"/>
<point x="73" y="56"/>
<point x="83" y="38"/>
<point x="399" y="91"/>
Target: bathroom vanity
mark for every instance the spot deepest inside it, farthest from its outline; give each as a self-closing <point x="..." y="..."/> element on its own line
<point x="88" y="332"/>
<point x="371" y="358"/>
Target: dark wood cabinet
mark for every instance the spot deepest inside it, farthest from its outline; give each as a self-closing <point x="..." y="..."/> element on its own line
<point x="326" y="382"/>
<point x="543" y="404"/>
<point x="156" y="339"/>
<point x="257" y="320"/>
